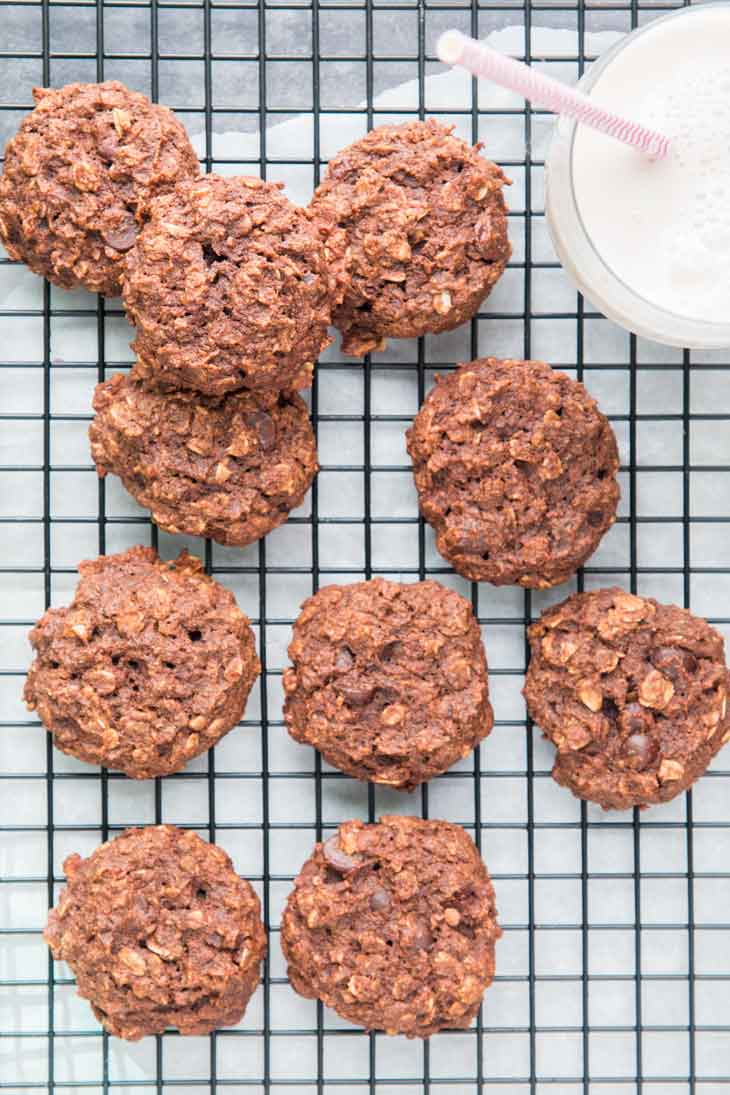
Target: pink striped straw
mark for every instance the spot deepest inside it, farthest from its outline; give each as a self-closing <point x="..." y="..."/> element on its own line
<point x="454" y="48"/>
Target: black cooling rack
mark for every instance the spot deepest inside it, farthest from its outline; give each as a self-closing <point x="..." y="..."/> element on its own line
<point x="615" y="966"/>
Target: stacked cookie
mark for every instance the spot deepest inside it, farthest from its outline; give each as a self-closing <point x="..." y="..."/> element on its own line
<point x="426" y="227"/>
<point x="230" y="287"/>
<point x="77" y="176"/>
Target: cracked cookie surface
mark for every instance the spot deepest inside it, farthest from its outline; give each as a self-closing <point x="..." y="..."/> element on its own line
<point x="230" y="467"/>
<point x="632" y="693"/>
<point x="160" y="932"/>
<point x="426" y="226"/>
<point x="232" y="286"/>
<point x="515" y="468"/>
<point x="76" y="174"/>
<point x="394" y="926"/>
<point x="149" y="666"/>
<point x="389" y="680"/>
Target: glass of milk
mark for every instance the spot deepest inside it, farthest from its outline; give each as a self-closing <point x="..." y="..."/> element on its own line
<point x="648" y="241"/>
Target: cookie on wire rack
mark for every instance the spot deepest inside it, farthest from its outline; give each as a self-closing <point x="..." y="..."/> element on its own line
<point x="394" y="925"/>
<point x="160" y="932"/>
<point x="632" y="693"/>
<point x="76" y="175"/>
<point x="389" y="680"/>
<point x="426" y="226"/>
<point x="230" y="467"/>
<point x="515" y="468"/>
<point x="149" y="666"/>
<point x="232" y="286"/>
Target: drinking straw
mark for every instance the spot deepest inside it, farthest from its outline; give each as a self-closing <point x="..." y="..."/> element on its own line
<point x="455" y="48"/>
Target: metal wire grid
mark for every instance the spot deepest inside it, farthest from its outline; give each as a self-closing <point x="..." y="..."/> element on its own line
<point x="616" y="959"/>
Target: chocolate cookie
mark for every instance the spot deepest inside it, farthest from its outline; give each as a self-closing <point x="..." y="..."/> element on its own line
<point x="426" y="225"/>
<point x="631" y="692"/>
<point x="389" y="680"/>
<point x="76" y="174"/>
<point x="149" y="665"/>
<point x="393" y="925"/>
<point x="229" y="467"/>
<point x="231" y="286"/>
<point x="515" y="469"/>
<point x="160" y="932"/>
